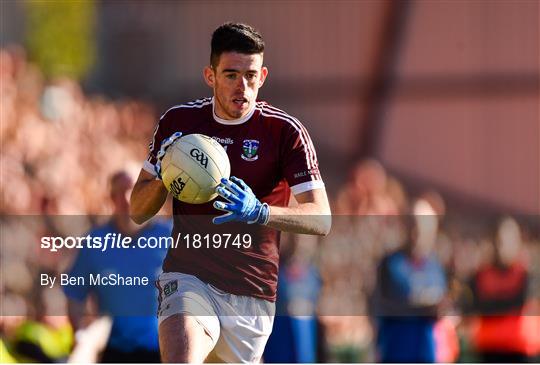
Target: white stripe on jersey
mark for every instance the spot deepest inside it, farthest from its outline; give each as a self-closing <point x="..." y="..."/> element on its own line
<point x="311" y="157"/>
<point x="283" y="116"/>
<point x="310" y="147"/>
<point x="149" y="167"/>
<point x="151" y="145"/>
<point x="307" y="186"/>
<point x="308" y="159"/>
<point x="199" y="103"/>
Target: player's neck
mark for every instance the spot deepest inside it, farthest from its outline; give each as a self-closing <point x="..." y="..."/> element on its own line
<point x="237" y="121"/>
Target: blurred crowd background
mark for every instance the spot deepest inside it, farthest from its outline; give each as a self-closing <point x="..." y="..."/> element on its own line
<point x="421" y="106"/>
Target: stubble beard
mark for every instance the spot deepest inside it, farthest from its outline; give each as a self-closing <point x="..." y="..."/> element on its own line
<point x="229" y="114"/>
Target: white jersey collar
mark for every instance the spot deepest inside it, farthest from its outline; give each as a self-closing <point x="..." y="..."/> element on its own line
<point x="244" y="119"/>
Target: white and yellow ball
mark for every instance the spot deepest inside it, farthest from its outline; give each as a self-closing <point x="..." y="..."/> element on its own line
<point x="193" y="167"/>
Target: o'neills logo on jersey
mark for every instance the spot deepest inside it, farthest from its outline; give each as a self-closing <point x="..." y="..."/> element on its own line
<point x="225" y="141"/>
<point x="250" y="148"/>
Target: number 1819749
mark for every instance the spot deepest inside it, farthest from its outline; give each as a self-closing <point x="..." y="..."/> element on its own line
<point x="222" y="240"/>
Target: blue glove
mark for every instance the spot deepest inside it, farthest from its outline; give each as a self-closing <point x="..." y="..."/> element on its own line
<point x="165" y="144"/>
<point x="242" y="206"/>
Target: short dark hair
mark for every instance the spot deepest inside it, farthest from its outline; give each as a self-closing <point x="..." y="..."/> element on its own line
<point x="235" y="37"/>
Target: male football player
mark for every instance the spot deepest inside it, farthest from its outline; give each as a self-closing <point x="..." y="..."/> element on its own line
<point x="223" y="298"/>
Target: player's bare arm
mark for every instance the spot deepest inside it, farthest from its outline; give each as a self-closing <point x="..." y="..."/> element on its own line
<point x="311" y="216"/>
<point x="147" y="197"/>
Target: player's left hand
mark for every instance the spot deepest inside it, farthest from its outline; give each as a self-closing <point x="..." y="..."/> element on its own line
<point x="242" y="205"/>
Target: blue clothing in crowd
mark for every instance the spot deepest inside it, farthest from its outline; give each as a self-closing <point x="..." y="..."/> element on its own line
<point x="409" y="293"/>
<point x="133" y="308"/>
<point x="294" y="334"/>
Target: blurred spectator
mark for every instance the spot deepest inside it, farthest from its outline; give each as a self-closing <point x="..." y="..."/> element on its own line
<point x="43" y="341"/>
<point x="504" y="331"/>
<point x="53" y="135"/>
<point x="367" y="192"/>
<point x="411" y="286"/>
<point x="59" y="147"/>
<point x="41" y="336"/>
<point x="5" y="354"/>
<point x="365" y="226"/>
<point x="295" y="332"/>
<point x="133" y="336"/>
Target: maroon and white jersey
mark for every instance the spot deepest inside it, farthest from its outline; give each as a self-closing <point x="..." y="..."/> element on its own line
<point x="273" y="153"/>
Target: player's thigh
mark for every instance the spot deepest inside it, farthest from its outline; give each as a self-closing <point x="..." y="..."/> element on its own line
<point x="183" y="339"/>
<point x="188" y="323"/>
<point x="246" y="324"/>
<point x="243" y="338"/>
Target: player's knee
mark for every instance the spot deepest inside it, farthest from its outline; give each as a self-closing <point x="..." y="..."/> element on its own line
<point x="182" y="340"/>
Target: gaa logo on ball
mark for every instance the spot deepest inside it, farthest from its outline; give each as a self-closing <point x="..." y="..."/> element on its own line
<point x="200" y="157"/>
<point x="193" y="167"/>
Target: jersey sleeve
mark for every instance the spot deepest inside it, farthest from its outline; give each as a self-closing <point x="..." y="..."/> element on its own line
<point x="163" y="130"/>
<point x="300" y="164"/>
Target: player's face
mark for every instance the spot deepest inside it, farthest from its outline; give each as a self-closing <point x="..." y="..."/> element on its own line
<point x="236" y="81"/>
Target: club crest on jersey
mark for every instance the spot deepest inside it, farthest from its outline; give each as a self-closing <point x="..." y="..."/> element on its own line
<point x="250" y="148"/>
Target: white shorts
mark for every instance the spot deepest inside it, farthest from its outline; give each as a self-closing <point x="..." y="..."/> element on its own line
<point x="239" y="326"/>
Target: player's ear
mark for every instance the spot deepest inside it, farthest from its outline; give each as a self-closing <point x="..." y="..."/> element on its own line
<point x="209" y="76"/>
<point x="264" y="73"/>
